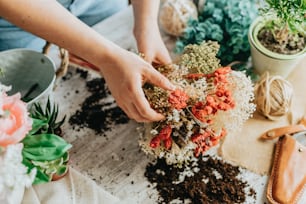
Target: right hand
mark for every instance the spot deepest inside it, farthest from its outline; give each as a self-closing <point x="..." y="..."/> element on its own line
<point x="125" y="74"/>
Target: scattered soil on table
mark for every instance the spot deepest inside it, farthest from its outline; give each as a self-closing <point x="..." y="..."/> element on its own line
<point x="96" y="112"/>
<point x="216" y="182"/>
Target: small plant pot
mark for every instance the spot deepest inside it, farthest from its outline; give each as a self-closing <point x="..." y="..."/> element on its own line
<point x="30" y="73"/>
<point x="56" y="177"/>
<point x="63" y="171"/>
<point x="265" y="60"/>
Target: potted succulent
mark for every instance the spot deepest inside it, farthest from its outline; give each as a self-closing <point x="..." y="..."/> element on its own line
<point x="277" y="36"/>
<point x="44" y="148"/>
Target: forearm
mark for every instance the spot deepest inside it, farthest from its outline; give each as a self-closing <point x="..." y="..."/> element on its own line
<point x="52" y="22"/>
<point x="145" y="13"/>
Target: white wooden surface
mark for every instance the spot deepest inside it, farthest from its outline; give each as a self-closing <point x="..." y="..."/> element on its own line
<point x="115" y="162"/>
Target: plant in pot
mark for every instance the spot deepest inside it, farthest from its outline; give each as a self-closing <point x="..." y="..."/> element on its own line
<point x="277" y="36"/>
<point x="44" y="148"/>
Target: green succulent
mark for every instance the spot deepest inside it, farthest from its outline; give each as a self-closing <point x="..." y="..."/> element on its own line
<point x="43" y="149"/>
<point x="47" y="115"/>
<point x="48" y="153"/>
<point x="54" y="167"/>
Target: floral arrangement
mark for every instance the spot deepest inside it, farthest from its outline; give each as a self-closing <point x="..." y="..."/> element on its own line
<point x="210" y="101"/>
<point x="15" y="123"/>
<point x="29" y="152"/>
<point x="224" y="21"/>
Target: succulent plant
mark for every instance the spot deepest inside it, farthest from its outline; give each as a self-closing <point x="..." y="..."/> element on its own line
<point x="43" y="149"/>
<point x="48" y="153"/>
<point x="54" y="168"/>
<point x="49" y="115"/>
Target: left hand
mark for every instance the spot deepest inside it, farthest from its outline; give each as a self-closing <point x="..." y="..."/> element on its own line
<point x="150" y="43"/>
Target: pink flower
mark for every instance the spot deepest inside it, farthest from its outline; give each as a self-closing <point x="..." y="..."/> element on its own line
<point x="15" y="122"/>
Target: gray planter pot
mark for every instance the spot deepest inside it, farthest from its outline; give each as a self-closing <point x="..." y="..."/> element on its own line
<point x="29" y="72"/>
<point x="265" y="60"/>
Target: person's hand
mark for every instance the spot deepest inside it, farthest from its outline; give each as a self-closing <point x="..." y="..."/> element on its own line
<point x="125" y="74"/>
<point x="146" y="32"/>
<point x="150" y="43"/>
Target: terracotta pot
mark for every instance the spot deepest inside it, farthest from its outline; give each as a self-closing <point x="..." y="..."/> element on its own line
<point x="265" y="60"/>
<point x="56" y="177"/>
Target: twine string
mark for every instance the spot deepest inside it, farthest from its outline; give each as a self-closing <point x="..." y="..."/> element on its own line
<point x="273" y="95"/>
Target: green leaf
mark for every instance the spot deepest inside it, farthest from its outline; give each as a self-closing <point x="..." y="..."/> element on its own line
<point x="44" y="147"/>
<point x="40" y="176"/>
<point x="66" y="157"/>
<point x="49" y="113"/>
<point x="62" y="170"/>
<point x="37" y="125"/>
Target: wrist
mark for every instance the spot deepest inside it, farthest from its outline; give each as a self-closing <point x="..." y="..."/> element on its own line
<point x="143" y="29"/>
<point x="103" y="54"/>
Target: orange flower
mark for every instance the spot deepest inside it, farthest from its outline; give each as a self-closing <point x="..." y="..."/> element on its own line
<point x="178" y="99"/>
<point x="223" y="70"/>
<point x="155" y="142"/>
<point x="194" y="76"/>
<point x="165" y="133"/>
<point x="168" y="143"/>
<point x="165" y="136"/>
<point x="15" y="122"/>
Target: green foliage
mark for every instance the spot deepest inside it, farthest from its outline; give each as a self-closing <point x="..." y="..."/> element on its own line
<point x="57" y="166"/>
<point x="44" y="147"/>
<point x="287" y="13"/>
<point x="44" y="150"/>
<point x="225" y="21"/>
<point x="48" y="153"/>
<point x="48" y="116"/>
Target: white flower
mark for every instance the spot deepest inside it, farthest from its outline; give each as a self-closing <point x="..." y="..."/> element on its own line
<point x="154" y="132"/>
<point x="13" y="172"/>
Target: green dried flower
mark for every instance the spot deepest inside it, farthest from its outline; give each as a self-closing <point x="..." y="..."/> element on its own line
<point x="158" y="98"/>
<point x="201" y="58"/>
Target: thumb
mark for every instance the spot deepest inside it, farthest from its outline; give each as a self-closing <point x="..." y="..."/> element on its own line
<point x="156" y="78"/>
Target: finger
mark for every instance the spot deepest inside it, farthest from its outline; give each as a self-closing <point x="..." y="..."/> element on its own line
<point x="158" y="79"/>
<point x="147" y="56"/>
<point x="136" y="114"/>
<point x="163" y="57"/>
<point x="126" y="111"/>
<point x="144" y="109"/>
<point x="132" y="112"/>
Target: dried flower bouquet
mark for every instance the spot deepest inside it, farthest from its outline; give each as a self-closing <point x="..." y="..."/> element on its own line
<point x="210" y="101"/>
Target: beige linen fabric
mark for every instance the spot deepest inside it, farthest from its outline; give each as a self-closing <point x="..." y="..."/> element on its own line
<point x="245" y="149"/>
<point x="74" y="188"/>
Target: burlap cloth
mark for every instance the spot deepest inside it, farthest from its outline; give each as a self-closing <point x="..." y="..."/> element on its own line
<point x="74" y="188"/>
<point x="245" y="149"/>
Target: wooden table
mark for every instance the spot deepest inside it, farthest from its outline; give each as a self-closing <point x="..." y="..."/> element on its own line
<point x="115" y="162"/>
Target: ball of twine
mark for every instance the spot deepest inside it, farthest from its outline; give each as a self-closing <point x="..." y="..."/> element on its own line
<point x="273" y="96"/>
<point x="174" y="15"/>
